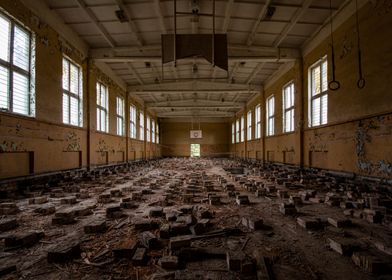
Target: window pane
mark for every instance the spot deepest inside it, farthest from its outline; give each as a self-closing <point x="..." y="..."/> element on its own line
<point x="5" y="27"/>
<point x="74" y="79"/>
<point x="65" y="74"/>
<point x="20" y="98"/>
<point x="65" y="108"/>
<point x="98" y="119"/>
<point x="21" y="51"/>
<point x="316" y="111"/>
<point x="316" y="83"/>
<point x="4" y="87"/>
<point x="324" y="76"/>
<point x="74" y="111"/>
<point x="324" y="109"/>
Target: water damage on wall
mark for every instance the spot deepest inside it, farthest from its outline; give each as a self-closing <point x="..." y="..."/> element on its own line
<point x="365" y="133"/>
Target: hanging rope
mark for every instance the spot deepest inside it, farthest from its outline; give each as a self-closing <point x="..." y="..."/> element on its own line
<point x="333" y="84"/>
<point x="361" y="80"/>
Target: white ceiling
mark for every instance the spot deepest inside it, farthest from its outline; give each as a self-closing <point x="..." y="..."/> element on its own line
<point x="257" y="47"/>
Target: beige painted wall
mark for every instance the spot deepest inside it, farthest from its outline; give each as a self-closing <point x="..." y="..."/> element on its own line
<point x="43" y="143"/>
<point x="176" y="138"/>
<point x="358" y="136"/>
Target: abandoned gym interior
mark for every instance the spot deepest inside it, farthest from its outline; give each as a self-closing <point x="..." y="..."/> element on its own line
<point x="196" y="139"/>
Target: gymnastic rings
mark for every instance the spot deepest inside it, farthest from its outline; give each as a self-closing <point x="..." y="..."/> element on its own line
<point x="334" y="85"/>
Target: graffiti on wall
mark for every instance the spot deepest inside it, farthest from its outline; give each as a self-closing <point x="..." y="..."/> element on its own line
<point x="11" y="146"/>
<point x="364" y="134"/>
<point x="72" y="142"/>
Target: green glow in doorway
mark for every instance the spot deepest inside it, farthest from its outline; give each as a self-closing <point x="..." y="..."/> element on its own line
<point x="195" y="150"/>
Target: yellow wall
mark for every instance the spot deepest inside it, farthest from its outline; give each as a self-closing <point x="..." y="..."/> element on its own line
<point x="176" y="139"/>
<point x="358" y="136"/>
<point x="33" y="145"/>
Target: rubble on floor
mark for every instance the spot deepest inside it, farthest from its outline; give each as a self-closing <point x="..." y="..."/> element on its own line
<point x="198" y="219"/>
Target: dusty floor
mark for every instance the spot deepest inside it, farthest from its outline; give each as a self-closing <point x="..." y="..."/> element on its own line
<point x="289" y="250"/>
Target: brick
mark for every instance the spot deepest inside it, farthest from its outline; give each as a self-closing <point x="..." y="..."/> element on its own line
<point x="179" y="229"/>
<point x="64" y="253"/>
<point x="149" y="240"/>
<point x="242" y="200"/>
<point x="168" y="262"/>
<point x="64" y="217"/>
<point x="164" y="231"/>
<point x="104" y="198"/>
<point x="287" y="209"/>
<point x="38" y="200"/>
<point x="140" y="257"/>
<point x="339" y="223"/>
<point x="46" y="209"/>
<point x="98" y="226"/>
<point x="180" y="241"/>
<point x="214" y="200"/>
<point x="252" y="223"/>
<point x="25" y="239"/>
<point x="8" y="224"/>
<point x="136" y="196"/>
<point x="309" y="223"/>
<point x="8" y="208"/>
<point x="341" y="246"/>
<point x="68" y="200"/>
<point x="145" y="224"/>
<point x="82" y="211"/>
<point x="128" y="205"/>
<point x="156" y="212"/>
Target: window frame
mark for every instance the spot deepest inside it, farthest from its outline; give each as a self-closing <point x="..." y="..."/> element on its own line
<point x="70" y="94"/>
<point x="132" y="122"/>
<point x="270" y="115"/>
<point x="249" y="125"/>
<point x="258" y="121"/>
<point x="288" y="110"/>
<point x="233" y="132"/>
<point x="242" y="123"/>
<point x="120" y="116"/>
<point x="152" y="130"/>
<point x="12" y="68"/>
<point x="148" y="129"/>
<point x="319" y="95"/>
<point x="157" y="132"/>
<point x="237" y="131"/>
<point x="101" y="108"/>
<point x="141" y="125"/>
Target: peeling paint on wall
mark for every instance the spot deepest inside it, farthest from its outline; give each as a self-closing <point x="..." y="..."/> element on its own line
<point x="73" y="142"/>
<point x="10" y="146"/>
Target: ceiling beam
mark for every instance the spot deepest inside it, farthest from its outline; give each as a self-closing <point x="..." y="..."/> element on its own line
<point x="133" y="71"/>
<point x="131" y="24"/>
<point x="228" y="11"/>
<point x="199" y="102"/>
<point x="233" y="71"/>
<point x="254" y="73"/>
<point x="297" y="15"/>
<point x="96" y="22"/>
<point x="211" y="91"/>
<point x="158" y="11"/>
<point x="256" y="24"/>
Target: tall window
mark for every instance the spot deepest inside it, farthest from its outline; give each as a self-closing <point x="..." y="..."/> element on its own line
<point x="288" y="107"/>
<point x="258" y="122"/>
<point x="242" y="129"/>
<point x="237" y="131"/>
<point x="132" y="122"/>
<point x="120" y="116"/>
<point x="72" y="93"/>
<point x="16" y="68"/>
<point x="233" y="133"/>
<point x="148" y="130"/>
<point x="102" y="108"/>
<point x="318" y="95"/>
<point x="141" y="125"/>
<point x="152" y="131"/>
<point x="270" y="115"/>
<point x="249" y="125"/>
<point x="157" y="127"/>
